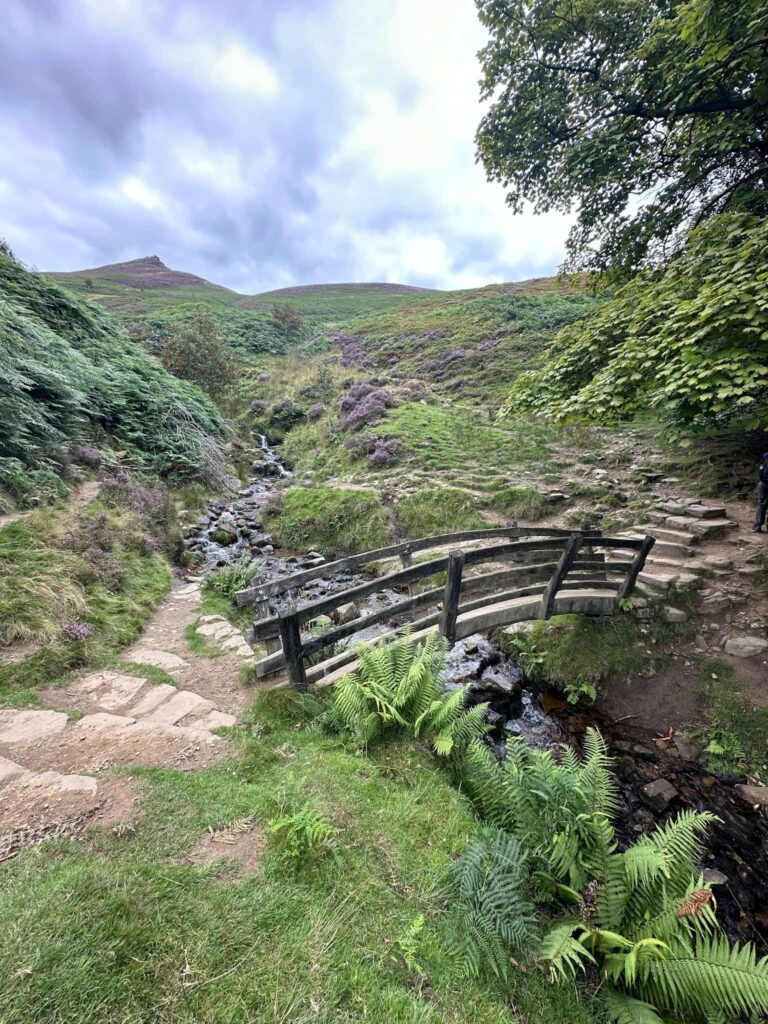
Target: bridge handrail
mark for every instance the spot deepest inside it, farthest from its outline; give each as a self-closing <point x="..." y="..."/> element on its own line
<point x="569" y="572"/>
<point x="403" y="550"/>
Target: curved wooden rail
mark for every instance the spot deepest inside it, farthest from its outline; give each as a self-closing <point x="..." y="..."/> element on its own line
<point x="554" y="572"/>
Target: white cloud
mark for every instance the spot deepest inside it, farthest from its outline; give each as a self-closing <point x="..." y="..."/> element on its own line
<point x="259" y="145"/>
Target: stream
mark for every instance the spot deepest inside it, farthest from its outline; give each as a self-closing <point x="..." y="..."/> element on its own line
<point x="736" y="858"/>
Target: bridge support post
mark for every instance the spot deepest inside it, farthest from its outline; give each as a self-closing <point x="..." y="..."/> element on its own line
<point x="451" y="596"/>
<point x="562" y="569"/>
<point x="263" y="611"/>
<point x="628" y="584"/>
<point x="290" y="635"/>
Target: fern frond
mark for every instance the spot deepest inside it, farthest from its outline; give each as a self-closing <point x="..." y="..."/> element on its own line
<point x="563" y="953"/>
<point x="713" y="978"/>
<point x="623" y="1009"/>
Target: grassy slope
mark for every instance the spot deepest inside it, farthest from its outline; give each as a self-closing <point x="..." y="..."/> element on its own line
<point x="69" y="374"/>
<point x="126" y="929"/>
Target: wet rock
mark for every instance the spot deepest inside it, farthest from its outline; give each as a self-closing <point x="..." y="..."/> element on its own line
<point x="642" y="821"/>
<point x="224" y="534"/>
<point x="714" y="877"/>
<point x="345" y="613"/>
<point x="745" y="646"/>
<point x="687" y="747"/>
<point x="492" y="717"/>
<point x="757" y="796"/>
<point x="659" y="794"/>
<point x="625" y="766"/>
<point x="496" y="679"/>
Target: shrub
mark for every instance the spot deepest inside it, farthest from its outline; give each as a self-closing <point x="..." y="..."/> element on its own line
<point x="67" y="371"/>
<point x="332" y="520"/>
<point x="316" y="411"/>
<point x="386" y="452"/>
<point x="197" y="352"/>
<point x="285" y="414"/>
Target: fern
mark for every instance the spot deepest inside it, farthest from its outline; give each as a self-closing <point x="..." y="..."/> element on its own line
<point x="399" y="684"/>
<point x="303" y="835"/>
<point x="623" y="1009"/>
<point x="491" y="916"/>
<point x="562" y="952"/>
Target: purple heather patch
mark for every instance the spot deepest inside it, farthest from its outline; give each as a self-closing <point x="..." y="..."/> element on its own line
<point x="74" y="631"/>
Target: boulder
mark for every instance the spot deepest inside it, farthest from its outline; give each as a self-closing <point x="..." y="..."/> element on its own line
<point x="345" y="613"/>
<point x="659" y="794"/>
<point x="715" y="604"/>
<point x="687" y="747"/>
<point x="496" y="679"/>
<point x="674" y="614"/>
<point x="757" y="796"/>
<point x="745" y="646"/>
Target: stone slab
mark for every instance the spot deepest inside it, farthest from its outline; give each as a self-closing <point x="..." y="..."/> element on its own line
<point x="152" y="699"/>
<point x="745" y="646"/>
<point x="110" y="690"/>
<point x="215" y="719"/>
<point x="160" y="659"/>
<point x="28" y="726"/>
<point x="57" y="781"/>
<point x="9" y="770"/>
<point x="184" y="703"/>
<point x="103" y="720"/>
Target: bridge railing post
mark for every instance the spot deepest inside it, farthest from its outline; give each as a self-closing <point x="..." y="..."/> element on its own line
<point x="263" y="611"/>
<point x="451" y="596"/>
<point x="290" y="635"/>
<point x="561" y="570"/>
<point x="628" y="584"/>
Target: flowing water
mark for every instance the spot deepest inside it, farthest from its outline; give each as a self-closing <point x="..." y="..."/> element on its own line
<point x="737" y="851"/>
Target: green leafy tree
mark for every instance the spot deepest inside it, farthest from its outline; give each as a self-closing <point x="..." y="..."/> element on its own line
<point x="691" y="342"/>
<point x="197" y="352"/>
<point x="646" y="116"/>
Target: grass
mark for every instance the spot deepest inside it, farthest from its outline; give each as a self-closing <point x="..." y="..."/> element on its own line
<point x="435" y="510"/>
<point x="737" y="731"/>
<point x="199" y="644"/>
<point x="121" y="927"/>
<point x="99" y="568"/>
<point x="569" y="649"/>
<point x="521" y="503"/>
<point x="334" y="521"/>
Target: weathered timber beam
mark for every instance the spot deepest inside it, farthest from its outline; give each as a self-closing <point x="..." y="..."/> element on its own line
<point x="637" y="567"/>
<point x="562" y="570"/>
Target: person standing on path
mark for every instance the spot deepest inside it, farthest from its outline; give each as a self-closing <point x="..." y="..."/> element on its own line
<point x="762" y="495"/>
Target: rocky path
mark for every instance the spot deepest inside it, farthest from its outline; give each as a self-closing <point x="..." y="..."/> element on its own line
<point x="54" y="763"/>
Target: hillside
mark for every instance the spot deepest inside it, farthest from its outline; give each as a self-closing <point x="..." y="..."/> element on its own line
<point x="70" y="377"/>
<point x="146" y="272"/>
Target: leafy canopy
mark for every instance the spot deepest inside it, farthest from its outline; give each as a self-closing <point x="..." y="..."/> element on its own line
<point x="646" y="115"/>
<point x="691" y="342"/>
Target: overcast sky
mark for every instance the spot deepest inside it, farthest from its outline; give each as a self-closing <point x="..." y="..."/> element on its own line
<point x="260" y="143"/>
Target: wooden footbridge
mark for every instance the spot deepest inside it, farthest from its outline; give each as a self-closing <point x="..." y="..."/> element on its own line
<point x="551" y="572"/>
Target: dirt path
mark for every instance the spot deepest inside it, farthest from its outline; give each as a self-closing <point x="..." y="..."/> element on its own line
<point x="54" y="764"/>
<point x="80" y="497"/>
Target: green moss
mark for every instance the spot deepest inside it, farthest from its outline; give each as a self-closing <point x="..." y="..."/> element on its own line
<point x="335" y="521"/>
<point x="435" y="510"/>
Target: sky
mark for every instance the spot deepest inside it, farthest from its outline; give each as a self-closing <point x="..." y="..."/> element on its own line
<point x="259" y="143"/>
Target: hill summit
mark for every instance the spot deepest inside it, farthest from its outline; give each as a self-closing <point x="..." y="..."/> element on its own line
<point x="146" y="272"/>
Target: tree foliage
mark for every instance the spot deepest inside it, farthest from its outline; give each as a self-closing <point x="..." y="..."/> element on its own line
<point x="691" y="342"/>
<point x="647" y="116"/>
<point x="197" y="352"/>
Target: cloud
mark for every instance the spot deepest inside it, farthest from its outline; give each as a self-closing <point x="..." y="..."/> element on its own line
<point x="259" y="145"/>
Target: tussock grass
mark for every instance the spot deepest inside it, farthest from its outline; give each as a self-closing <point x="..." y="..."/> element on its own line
<point x="36" y="586"/>
<point x="521" y="503"/>
<point x="434" y="510"/>
<point x="335" y="521"/>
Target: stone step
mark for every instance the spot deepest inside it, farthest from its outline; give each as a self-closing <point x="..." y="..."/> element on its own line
<point x="710" y="528"/>
<point x="9" y="770"/>
<point x="110" y="690"/>
<point x="708" y="511"/>
<point x="152" y="699"/>
<point x="663" y="535"/>
<point x="670" y="550"/>
<point x="23" y="726"/>
<point x="662" y="581"/>
<point x="182" y="704"/>
<point x="676" y="565"/>
<point x="55" y="782"/>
